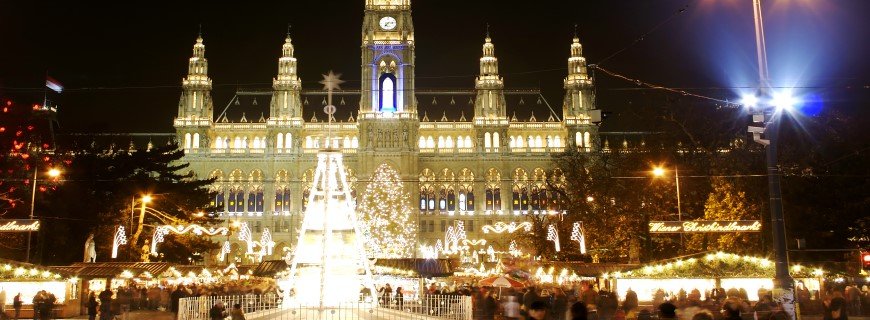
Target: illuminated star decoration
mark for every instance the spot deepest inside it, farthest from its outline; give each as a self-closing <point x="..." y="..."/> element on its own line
<point x="331" y="81"/>
<point x="578" y="235"/>
<point x="120" y="239"/>
<point x="552" y="235"/>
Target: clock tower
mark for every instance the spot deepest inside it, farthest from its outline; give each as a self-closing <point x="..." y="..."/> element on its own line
<point x="387" y="58"/>
<point x="388" y="121"/>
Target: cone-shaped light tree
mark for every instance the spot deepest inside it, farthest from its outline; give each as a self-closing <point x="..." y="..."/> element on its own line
<point x="386" y="216"/>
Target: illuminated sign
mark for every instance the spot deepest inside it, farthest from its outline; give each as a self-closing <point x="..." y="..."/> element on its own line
<point x="18" y="225"/>
<point x="704" y="226"/>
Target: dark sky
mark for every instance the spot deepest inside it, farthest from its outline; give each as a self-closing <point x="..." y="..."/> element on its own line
<point x="123" y="61"/>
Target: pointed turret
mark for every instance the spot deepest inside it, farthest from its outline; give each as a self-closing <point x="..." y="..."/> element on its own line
<point x="489" y="107"/>
<point x="286" y="99"/>
<point x="195" y="108"/>
<point x="578" y="106"/>
<point x="195" y="102"/>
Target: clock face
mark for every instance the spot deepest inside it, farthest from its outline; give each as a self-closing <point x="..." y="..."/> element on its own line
<point x="388" y="23"/>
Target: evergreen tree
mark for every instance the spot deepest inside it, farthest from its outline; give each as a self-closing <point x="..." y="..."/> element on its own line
<point x="101" y="191"/>
<point x="386" y="216"/>
<point x="727" y="202"/>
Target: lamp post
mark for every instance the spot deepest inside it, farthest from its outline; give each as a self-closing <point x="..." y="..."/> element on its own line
<point x="659" y="172"/>
<point x="144" y="200"/>
<point x="767" y="112"/>
<point x="53" y="173"/>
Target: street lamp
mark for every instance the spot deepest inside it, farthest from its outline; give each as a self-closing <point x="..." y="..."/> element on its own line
<point x="768" y="113"/>
<point x="659" y="172"/>
<point x="52" y="173"/>
<point x="145" y="200"/>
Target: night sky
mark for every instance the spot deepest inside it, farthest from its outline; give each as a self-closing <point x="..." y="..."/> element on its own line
<point x="123" y="63"/>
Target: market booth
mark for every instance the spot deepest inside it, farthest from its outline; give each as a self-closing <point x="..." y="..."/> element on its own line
<point x="28" y="279"/>
<point x="706" y="272"/>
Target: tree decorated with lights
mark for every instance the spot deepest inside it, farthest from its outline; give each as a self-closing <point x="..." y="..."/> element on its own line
<point x="727" y="202"/>
<point x="385" y="214"/>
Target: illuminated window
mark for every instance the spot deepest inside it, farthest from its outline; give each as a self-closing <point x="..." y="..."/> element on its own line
<point x="219" y="201"/>
<point x="462" y="206"/>
<point x="387" y="93"/>
<point x="187" y="140"/>
<point x="196" y="140"/>
<point x="240" y="201"/>
<point x="279" y="141"/>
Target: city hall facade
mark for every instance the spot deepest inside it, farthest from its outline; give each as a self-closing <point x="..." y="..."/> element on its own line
<point x="479" y="168"/>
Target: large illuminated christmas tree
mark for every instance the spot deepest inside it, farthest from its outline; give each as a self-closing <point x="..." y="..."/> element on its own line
<point x="329" y="265"/>
<point x="385" y="214"/>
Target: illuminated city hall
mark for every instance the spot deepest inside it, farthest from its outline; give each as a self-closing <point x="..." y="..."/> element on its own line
<point x="480" y="168"/>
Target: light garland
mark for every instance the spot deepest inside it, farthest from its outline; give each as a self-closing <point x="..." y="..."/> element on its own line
<point x="453" y="237"/>
<point x="718" y="264"/>
<point x="578" y="235"/>
<point x="197" y="229"/>
<point x="552" y="235"/>
<point x="246" y="236"/>
<point x="225" y="249"/>
<point x="514" y="251"/>
<point x="266" y="244"/>
<point x="158" y="237"/>
<point x="161" y="231"/>
<point x="119" y="239"/>
<point x="491" y="252"/>
<point x="21" y="273"/>
<point x="476" y="242"/>
<point x="500" y="227"/>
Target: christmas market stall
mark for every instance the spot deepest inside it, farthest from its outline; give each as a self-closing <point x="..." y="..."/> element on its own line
<point x="413" y="275"/>
<point x="707" y="272"/>
<point x="29" y="280"/>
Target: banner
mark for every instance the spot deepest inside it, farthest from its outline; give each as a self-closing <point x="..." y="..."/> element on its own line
<point x="53" y="84"/>
<point x="18" y="225"/>
<point x="704" y="226"/>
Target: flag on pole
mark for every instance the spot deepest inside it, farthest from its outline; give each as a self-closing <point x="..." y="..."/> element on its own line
<point x="53" y="84"/>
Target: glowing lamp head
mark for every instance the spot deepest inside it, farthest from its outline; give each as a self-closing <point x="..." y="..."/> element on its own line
<point x="147" y="198"/>
<point x="749" y="101"/>
<point x="784" y="101"/>
<point x="658" y="172"/>
<point x="54" y="173"/>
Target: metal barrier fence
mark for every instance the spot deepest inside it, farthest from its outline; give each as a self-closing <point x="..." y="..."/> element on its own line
<point x="447" y="307"/>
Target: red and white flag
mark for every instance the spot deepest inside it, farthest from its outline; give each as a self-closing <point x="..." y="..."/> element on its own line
<point x="53" y="84"/>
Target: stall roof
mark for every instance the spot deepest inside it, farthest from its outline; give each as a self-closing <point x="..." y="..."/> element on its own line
<point x="269" y="268"/>
<point x="584" y="269"/>
<point x="423" y="267"/>
<point x="8" y="267"/>
<point x="154" y="268"/>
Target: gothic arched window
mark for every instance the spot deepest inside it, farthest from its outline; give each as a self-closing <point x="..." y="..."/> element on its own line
<point x="387" y="93"/>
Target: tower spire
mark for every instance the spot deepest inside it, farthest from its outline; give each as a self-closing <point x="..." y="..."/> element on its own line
<point x="286" y="98"/>
<point x="490" y="102"/>
<point x="578" y="107"/>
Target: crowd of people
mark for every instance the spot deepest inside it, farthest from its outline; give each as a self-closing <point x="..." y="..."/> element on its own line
<point x="585" y="301"/>
<point x="109" y="302"/>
